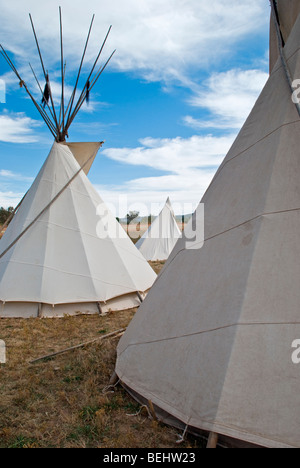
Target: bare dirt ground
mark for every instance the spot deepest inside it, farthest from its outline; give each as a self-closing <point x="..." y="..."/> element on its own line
<point x="59" y="402"/>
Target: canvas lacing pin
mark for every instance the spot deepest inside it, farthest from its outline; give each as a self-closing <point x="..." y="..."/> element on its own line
<point x="113" y="383"/>
<point x="108" y="387"/>
<point x="182" y="436"/>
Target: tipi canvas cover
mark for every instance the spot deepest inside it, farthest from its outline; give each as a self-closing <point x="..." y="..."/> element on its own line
<point x="75" y="258"/>
<point x="212" y="344"/>
<point x="160" y="239"/>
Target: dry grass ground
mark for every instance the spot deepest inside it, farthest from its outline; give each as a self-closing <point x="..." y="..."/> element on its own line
<point x="59" y="402"/>
<point x="136" y="231"/>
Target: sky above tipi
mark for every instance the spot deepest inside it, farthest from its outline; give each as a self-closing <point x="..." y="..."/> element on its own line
<point x="184" y="78"/>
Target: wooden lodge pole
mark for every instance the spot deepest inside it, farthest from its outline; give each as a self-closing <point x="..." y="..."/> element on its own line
<point x="212" y="440"/>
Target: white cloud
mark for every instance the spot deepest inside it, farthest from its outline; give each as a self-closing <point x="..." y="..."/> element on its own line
<point x="188" y="166"/>
<point x="229" y="97"/>
<point x="168" y="41"/>
<point x="122" y="200"/>
<point x="2" y="91"/>
<point x="10" y="199"/>
<point x="12" y="176"/>
<point x="175" y="155"/>
<point x="17" y="128"/>
<point x="158" y="40"/>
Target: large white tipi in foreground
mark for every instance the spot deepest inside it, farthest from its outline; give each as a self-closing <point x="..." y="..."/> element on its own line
<point x="211" y="346"/>
<point x="64" y="252"/>
<point x="160" y="239"/>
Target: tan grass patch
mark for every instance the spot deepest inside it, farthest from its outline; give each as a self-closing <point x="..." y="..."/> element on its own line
<point x="157" y="266"/>
<point x="59" y="402"/>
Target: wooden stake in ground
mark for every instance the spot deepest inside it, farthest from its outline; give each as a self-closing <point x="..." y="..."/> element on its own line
<point x="152" y="410"/>
<point x="212" y="440"/>
<point x="81" y="345"/>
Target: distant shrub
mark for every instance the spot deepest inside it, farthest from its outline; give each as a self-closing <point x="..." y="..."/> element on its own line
<point x="5" y="214"/>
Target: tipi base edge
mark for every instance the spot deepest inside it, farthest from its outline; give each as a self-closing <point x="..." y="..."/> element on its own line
<point x="33" y="309"/>
<point x="224" y="441"/>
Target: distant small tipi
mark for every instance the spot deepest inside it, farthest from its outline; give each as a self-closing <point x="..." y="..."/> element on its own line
<point x="160" y="239"/>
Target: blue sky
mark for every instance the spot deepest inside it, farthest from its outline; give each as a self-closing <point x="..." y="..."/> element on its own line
<point x="182" y="82"/>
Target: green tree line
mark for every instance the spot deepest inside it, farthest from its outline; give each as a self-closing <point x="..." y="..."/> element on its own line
<point x="5" y="214"/>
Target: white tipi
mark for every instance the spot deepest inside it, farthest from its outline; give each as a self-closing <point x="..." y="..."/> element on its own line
<point x="211" y="346"/>
<point x="64" y="252"/>
<point x="160" y="239"/>
<point x="75" y="258"/>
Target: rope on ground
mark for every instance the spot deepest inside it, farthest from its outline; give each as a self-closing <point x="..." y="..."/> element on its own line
<point x="139" y="412"/>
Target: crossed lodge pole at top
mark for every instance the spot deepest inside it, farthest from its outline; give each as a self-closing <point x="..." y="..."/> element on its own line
<point x="59" y="125"/>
